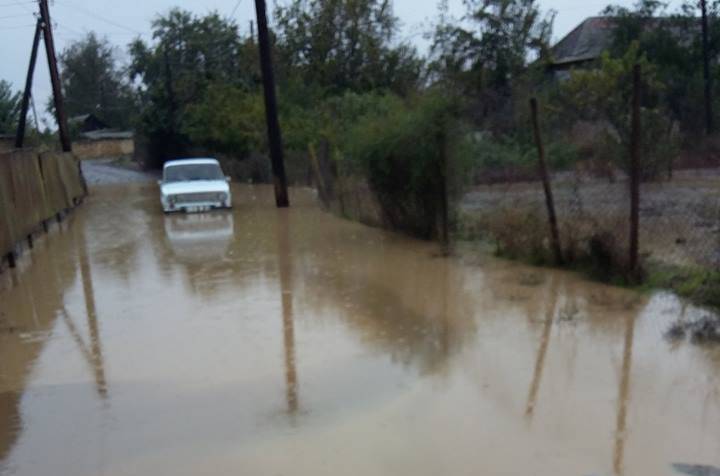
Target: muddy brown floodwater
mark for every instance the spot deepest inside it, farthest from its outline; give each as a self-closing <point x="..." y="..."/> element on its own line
<point x="291" y="342"/>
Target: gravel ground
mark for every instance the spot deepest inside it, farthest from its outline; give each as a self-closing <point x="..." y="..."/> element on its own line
<point x="679" y="219"/>
<point x="110" y="171"/>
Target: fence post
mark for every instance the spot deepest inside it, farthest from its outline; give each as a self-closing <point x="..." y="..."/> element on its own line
<point x="317" y="172"/>
<point x="635" y="172"/>
<point x="549" y="201"/>
<point x="444" y="200"/>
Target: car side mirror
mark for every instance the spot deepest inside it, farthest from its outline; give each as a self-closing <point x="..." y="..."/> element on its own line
<point x="228" y="179"/>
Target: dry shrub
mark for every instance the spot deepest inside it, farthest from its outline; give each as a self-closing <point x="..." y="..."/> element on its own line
<point x="355" y="201"/>
<point x="596" y="244"/>
<point x="519" y="233"/>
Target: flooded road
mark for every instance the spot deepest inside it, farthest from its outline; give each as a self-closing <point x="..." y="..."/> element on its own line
<point x="291" y="342"/>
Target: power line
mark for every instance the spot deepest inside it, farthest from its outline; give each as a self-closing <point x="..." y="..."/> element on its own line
<point x="13" y="16"/>
<point x="232" y="13"/>
<point x="15" y="4"/>
<point x="27" y="9"/>
<point x="67" y="28"/>
<point x="18" y="27"/>
<point x="92" y="14"/>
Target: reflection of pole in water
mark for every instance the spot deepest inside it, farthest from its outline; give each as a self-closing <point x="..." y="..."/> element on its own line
<point x="94" y="355"/>
<point x="542" y="352"/>
<point x="285" y="270"/>
<point x="623" y="398"/>
<point x="445" y="323"/>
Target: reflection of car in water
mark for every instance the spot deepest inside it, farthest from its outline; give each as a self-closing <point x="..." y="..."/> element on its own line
<point x="199" y="237"/>
<point x="193" y="185"/>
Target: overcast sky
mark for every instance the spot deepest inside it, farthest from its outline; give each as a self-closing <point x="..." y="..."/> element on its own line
<point x="123" y="20"/>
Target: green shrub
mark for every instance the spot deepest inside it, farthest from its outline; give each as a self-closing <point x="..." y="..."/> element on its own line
<point x="227" y="119"/>
<point x="700" y="285"/>
<point x="561" y="155"/>
<point x="410" y="152"/>
<point x="509" y="159"/>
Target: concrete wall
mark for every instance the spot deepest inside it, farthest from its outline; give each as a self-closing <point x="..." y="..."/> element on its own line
<point x="34" y="187"/>
<point x="95" y="149"/>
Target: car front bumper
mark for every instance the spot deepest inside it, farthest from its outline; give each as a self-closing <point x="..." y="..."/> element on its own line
<point x="189" y="207"/>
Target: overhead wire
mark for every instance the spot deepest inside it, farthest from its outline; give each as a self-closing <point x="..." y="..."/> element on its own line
<point x="13" y="16"/>
<point x="16" y="4"/>
<point x="17" y="27"/>
<point x="103" y="19"/>
<point x="67" y="28"/>
<point x="232" y="13"/>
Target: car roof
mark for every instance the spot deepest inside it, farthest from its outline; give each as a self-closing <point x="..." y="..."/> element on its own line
<point x="197" y="161"/>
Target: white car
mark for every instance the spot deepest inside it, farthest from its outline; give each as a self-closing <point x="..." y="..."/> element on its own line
<point x="194" y="185"/>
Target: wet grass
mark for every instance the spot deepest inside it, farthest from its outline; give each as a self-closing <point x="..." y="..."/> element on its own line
<point x="698" y="285"/>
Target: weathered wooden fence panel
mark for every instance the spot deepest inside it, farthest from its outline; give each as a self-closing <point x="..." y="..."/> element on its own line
<point x="33" y="188"/>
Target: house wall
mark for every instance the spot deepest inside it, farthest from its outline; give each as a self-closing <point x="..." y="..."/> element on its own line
<point x="103" y="148"/>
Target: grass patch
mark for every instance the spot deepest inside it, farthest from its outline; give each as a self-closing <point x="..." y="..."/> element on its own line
<point x="699" y="285"/>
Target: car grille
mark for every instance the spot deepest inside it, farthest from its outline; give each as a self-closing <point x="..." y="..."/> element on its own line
<point x="197" y="197"/>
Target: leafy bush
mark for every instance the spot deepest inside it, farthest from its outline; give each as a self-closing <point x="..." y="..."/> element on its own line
<point x="561" y="155"/>
<point x="700" y="285"/>
<point x="605" y="94"/>
<point x="509" y="159"/>
<point x="408" y="151"/>
<point x="227" y="119"/>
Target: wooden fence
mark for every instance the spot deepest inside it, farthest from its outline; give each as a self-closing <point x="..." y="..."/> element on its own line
<point x="34" y="187"/>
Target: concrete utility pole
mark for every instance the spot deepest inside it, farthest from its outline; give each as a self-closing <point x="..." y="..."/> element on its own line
<point x="273" y="126"/>
<point x="55" y="77"/>
<point x="636" y="134"/>
<point x="706" y="70"/>
<point x="20" y="135"/>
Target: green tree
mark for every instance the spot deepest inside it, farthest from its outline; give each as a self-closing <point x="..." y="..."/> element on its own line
<point x="9" y="108"/>
<point x="93" y="82"/>
<point x="604" y="95"/>
<point x="672" y="42"/>
<point x="493" y="43"/>
<point x="188" y="54"/>
<point x="227" y="119"/>
<point x="345" y="45"/>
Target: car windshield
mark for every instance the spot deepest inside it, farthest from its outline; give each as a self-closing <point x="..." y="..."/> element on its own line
<point x="181" y="173"/>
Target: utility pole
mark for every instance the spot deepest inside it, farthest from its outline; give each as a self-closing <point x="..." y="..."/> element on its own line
<point x="20" y="135"/>
<point x="636" y="134"/>
<point x="273" y="125"/>
<point x="706" y="70"/>
<point x="55" y="77"/>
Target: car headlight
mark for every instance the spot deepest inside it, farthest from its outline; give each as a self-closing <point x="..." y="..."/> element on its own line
<point x="222" y="197"/>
